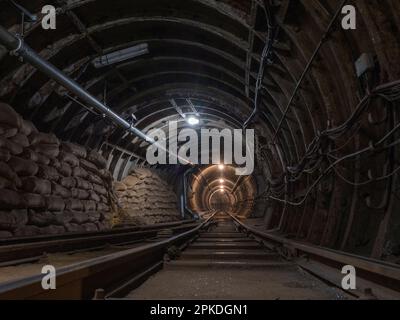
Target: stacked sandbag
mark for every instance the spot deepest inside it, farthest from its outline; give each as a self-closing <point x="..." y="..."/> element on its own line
<point x="90" y="184"/>
<point x="146" y="198"/>
<point x="48" y="186"/>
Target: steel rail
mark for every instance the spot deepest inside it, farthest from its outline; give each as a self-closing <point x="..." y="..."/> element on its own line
<point x="121" y="228"/>
<point x="20" y="249"/>
<point x="110" y="272"/>
<point x="379" y="272"/>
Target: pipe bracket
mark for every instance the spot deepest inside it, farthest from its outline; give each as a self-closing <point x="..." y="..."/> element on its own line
<point x="16" y="51"/>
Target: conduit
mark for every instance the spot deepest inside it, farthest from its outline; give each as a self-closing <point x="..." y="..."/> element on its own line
<point x="19" y="48"/>
<point x="308" y="68"/>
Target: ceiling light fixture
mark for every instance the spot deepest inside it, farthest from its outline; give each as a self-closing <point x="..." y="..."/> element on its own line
<point x="221" y="167"/>
<point x="121" y="55"/>
<point x="193" y="121"/>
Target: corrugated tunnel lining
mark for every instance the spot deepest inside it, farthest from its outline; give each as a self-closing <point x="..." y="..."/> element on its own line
<point x="209" y="183"/>
<point x="215" y="37"/>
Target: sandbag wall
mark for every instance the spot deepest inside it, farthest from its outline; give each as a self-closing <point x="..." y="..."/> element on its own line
<point x="48" y="186"/>
<point x="145" y="197"/>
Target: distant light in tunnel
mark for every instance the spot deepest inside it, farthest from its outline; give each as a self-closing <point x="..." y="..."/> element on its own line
<point x="193" y="121"/>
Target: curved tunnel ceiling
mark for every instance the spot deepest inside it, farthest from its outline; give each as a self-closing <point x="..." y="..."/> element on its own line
<point x="199" y="52"/>
<point x="195" y="47"/>
<point x="208" y="52"/>
<point x="201" y="43"/>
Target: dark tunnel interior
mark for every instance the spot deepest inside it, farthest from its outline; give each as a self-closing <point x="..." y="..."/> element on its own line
<point x="322" y="101"/>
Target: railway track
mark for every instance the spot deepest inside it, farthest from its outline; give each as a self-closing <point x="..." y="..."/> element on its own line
<point x="220" y="258"/>
<point x="16" y="251"/>
<point x="224" y="263"/>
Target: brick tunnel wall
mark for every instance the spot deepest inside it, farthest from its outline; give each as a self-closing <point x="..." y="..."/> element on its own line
<point x="145" y="197"/>
<point x="48" y="186"/>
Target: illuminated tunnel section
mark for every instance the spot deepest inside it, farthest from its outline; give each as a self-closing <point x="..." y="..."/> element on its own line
<point x="217" y="187"/>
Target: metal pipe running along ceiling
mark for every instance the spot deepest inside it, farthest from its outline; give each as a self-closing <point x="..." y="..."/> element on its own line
<point x="19" y="48"/>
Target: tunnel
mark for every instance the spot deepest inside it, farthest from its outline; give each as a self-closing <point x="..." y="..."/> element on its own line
<point x="300" y="96"/>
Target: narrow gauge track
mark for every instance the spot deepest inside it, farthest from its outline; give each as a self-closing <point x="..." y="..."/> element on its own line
<point x="224" y="263"/>
<point x="29" y="249"/>
<point x="220" y="258"/>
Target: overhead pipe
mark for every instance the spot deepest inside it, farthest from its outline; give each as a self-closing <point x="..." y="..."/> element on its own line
<point x="18" y="47"/>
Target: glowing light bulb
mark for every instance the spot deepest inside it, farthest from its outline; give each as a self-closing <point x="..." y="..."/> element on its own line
<point x="221" y="167"/>
<point x="221" y="180"/>
<point x="193" y="121"/>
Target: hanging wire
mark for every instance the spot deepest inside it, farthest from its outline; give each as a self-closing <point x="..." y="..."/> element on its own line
<point x="315" y="154"/>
